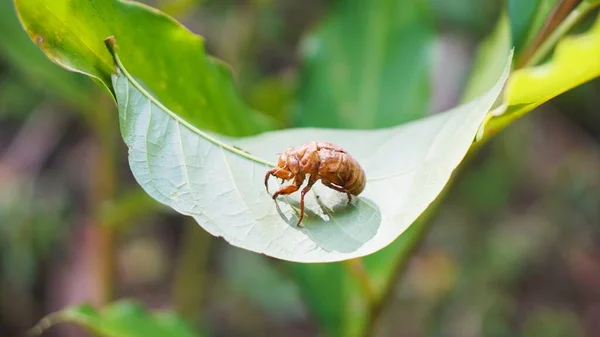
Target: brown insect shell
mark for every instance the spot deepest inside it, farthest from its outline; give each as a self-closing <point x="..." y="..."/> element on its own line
<point x="340" y="168"/>
<point x="326" y="161"/>
<point x="303" y="159"/>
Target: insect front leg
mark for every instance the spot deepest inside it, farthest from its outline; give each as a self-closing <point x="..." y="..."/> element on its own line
<point x="268" y="175"/>
<point x="290" y="188"/>
<point x="278" y="172"/>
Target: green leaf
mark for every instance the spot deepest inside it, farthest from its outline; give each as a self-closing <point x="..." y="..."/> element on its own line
<point x="120" y="319"/>
<point x="368" y="66"/>
<point x="576" y="60"/>
<point x="489" y="61"/>
<point x="521" y="14"/>
<point x="201" y="175"/>
<point x="250" y="274"/>
<point x="167" y="58"/>
<point x="17" y="50"/>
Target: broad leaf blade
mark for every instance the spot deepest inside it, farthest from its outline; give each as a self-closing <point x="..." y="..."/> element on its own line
<point x="222" y="187"/>
<point x="121" y="319"/>
<point x="368" y="66"/>
<point x="196" y="86"/>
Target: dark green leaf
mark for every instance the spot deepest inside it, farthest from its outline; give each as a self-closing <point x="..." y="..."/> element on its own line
<point x="167" y="58"/>
<point x="17" y="50"/>
<point x="521" y="14"/>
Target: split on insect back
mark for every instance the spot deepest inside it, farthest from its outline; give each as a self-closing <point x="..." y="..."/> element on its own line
<point x="324" y="161"/>
<point x="208" y="176"/>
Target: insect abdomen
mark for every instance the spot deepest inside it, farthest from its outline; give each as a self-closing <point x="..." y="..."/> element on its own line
<point x="355" y="179"/>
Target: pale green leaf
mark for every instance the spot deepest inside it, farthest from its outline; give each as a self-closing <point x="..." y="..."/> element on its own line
<point x="198" y="174"/>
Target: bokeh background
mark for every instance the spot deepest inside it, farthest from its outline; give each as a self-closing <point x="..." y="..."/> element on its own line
<point x="513" y="251"/>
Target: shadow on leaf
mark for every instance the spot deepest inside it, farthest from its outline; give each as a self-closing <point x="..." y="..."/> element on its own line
<point x="331" y="222"/>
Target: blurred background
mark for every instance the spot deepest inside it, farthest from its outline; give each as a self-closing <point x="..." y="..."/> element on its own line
<point x="514" y="249"/>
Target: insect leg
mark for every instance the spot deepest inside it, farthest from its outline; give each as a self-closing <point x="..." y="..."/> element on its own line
<point x="337" y="188"/>
<point x="290" y="188"/>
<point x="268" y="175"/>
<point x="311" y="181"/>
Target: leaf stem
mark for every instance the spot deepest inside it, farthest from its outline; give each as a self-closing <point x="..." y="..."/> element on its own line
<point x="418" y="232"/>
<point x="111" y="44"/>
<point x="554" y="18"/>
<point x="103" y="187"/>
<point x="579" y="12"/>
<point x="419" y="229"/>
<point x="190" y="275"/>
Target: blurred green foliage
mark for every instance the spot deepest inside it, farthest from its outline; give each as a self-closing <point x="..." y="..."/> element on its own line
<point x="367" y="65"/>
<point x="122" y="319"/>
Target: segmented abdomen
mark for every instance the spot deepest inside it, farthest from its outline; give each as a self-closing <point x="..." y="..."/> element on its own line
<point x="343" y="170"/>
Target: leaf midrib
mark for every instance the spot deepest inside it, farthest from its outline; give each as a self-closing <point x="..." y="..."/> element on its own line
<point x="121" y="71"/>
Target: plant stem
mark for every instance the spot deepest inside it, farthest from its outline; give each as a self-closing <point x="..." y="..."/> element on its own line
<point x="499" y="123"/>
<point x="105" y="250"/>
<point x="190" y="275"/>
<point x="556" y="16"/>
<point x="579" y="12"/>
<point x="356" y="268"/>
<point x="419" y="231"/>
<point x="103" y="186"/>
